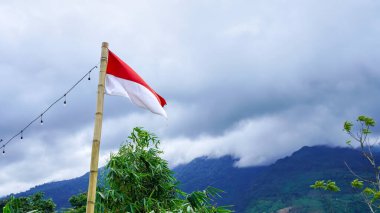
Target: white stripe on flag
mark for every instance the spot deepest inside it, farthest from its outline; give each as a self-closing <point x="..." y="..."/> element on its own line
<point x="137" y="93"/>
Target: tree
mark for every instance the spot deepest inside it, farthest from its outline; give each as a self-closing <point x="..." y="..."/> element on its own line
<point x="3" y="202"/>
<point x="78" y="202"/>
<point x="33" y="203"/>
<point x="371" y="193"/>
<point x="329" y="186"/>
<point x="369" y="189"/>
<point x="139" y="180"/>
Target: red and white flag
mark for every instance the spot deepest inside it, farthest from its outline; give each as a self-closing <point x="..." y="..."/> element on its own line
<point x="122" y="80"/>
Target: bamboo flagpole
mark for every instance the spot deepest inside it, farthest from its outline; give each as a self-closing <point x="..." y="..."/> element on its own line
<point x="97" y="131"/>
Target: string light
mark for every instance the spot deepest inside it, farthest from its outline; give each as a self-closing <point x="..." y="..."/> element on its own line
<point x="1" y="140"/>
<point x="39" y="117"/>
<point x="64" y="102"/>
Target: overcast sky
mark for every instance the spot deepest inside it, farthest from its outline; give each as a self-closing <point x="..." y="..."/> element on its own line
<point x="253" y="79"/>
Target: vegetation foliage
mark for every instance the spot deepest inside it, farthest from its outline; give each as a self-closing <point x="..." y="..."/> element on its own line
<point x="368" y="188"/>
<point x="139" y="180"/>
<point x="33" y="203"/>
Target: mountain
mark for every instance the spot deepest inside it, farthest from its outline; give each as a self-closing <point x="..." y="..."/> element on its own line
<point x="61" y="191"/>
<point x="219" y="173"/>
<point x="284" y="184"/>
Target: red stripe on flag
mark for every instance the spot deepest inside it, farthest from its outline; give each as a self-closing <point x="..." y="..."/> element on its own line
<point x="120" y="69"/>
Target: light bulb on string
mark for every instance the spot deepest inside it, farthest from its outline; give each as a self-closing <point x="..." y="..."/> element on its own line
<point x="64" y="102"/>
<point x="20" y="134"/>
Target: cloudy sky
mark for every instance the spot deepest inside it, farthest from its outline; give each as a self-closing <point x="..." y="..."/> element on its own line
<point x="253" y="79"/>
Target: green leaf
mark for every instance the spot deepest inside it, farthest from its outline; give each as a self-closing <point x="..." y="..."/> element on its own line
<point x="331" y="186"/>
<point x="366" y="131"/>
<point x="319" y="184"/>
<point x="357" y="184"/>
<point x="366" y="120"/>
<point x="376" y="195"/>
<point x="368" y="191"/>
<point x="347" y="126"/>
<point x="327" y="186"/>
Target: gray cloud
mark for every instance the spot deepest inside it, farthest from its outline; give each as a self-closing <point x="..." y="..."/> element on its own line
<point x="252" y="79"/>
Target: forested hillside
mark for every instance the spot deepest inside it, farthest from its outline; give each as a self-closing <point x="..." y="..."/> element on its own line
<point x="285" y="183"/>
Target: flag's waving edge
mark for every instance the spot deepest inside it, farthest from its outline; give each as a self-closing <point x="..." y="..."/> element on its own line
<point x="122" y="80"/>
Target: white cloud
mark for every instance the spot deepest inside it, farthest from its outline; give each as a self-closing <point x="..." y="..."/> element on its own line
<point x="261" y="140"/>
<point x="45" y="157"/>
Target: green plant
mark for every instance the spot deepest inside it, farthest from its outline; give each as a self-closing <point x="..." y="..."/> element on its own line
<point x="139" y="180"/>
<point x="33" y="203"/>
<point x="327" y="186"/>
<point x="359" y="133"/>
<point x="78" y="203"/>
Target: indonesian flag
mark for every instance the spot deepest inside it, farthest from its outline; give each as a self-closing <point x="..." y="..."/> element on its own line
<point x="122" y="80"/>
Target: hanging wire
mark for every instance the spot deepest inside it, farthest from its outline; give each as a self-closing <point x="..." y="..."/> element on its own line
<point x="43" y="112"/>
<point x="1" y="140"/>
